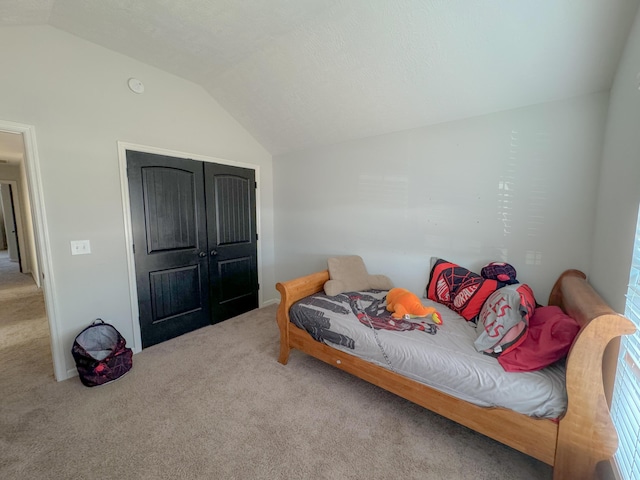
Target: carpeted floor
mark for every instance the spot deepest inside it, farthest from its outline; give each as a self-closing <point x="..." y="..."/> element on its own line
<point x="215" y="404"/>
<point x="10" y="277"/>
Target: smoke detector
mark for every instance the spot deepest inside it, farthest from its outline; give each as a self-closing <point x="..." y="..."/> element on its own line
<point x="136" y="85"/>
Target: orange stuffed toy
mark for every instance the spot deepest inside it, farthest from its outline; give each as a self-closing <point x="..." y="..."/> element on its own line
<point x="403" y="303"/>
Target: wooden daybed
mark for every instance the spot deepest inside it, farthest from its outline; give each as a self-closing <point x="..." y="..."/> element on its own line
<point x="583" y="437"/>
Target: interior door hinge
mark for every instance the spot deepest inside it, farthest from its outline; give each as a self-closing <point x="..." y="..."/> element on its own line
<point x="133" y="246"/>
<point x="256" y="237"/>
<point x="255" y="184"/>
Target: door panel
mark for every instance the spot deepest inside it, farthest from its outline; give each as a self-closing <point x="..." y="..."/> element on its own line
<point x="169" y="209"/>
<point x="233" y="210"/>
<point x="175" y="292"/>
<point x="170" y="239"/>
<point x="231" y="225"/>
<point x="238" y="273"/>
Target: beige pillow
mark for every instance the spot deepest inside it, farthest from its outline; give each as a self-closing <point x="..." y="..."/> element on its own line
<point x="348" y="274"/>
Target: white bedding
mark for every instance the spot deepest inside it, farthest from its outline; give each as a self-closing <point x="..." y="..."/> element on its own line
<point x="446" y="361"/>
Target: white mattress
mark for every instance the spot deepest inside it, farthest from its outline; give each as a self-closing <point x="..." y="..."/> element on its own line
<point x="446" y="361"/>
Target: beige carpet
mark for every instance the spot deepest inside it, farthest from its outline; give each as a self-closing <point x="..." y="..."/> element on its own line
<point x="215" y="404"/>
<point x="10" y="276"/>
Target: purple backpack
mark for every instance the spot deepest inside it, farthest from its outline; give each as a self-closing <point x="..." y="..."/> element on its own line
<point x="101" y="354"/>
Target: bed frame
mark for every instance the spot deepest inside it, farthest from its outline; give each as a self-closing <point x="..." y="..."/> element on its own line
<point x="573" y="445"/>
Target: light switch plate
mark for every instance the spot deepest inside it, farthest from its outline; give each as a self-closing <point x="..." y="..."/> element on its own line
<point x="80" y="247"/>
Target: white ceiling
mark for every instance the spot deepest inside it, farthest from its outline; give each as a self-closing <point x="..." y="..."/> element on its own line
<point x="302" y="73"/>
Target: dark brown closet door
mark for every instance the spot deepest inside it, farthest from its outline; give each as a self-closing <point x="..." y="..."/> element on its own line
<point x="231" y="220"/>
<point x="170" y="245"/>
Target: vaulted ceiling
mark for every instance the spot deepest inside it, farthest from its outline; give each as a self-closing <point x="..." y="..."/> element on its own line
<point x="303" y="73"/>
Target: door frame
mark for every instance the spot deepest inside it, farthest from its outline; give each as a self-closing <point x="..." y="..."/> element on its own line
<point x="128" y="226"/>
<point x="43" y="243"/>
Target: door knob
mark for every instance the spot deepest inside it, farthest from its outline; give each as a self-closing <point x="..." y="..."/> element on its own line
<point x="214" y="253"/>
<point x="202" y="254"/>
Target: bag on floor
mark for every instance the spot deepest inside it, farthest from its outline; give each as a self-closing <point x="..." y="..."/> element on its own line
<point x="101" y="354"/>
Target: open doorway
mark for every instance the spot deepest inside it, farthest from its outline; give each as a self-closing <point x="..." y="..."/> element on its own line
<point x="24" y="323"/>
<point x="9" y="209"/>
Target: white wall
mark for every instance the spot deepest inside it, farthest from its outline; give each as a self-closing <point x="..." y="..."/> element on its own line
<point x="619" y="189"/>
<point x="75" y="94"/>
<point x="517" y="186"/>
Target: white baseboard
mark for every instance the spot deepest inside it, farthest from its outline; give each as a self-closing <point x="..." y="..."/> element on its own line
<point x="273" y="301"/>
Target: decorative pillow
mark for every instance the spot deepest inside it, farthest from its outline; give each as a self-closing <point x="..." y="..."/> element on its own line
<point x="551" y="334"/>
<point x="380" y="282"/>
<point x="503" y="272"/>
<point x="348" y="274"/>
<point x="459" y="289"/>
<point x="504" y="319"/>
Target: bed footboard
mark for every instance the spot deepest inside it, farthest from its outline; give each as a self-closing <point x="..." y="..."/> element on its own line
<point x="290" y="293"/>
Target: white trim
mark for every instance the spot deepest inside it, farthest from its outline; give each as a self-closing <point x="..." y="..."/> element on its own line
<point x="128" y="235"/>
<point x="43" y="248"/>
<point x="273" y="301"/>
<point x="128" y="229"/>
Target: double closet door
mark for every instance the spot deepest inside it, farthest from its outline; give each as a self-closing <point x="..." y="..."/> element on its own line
<point x="195" y="243"/>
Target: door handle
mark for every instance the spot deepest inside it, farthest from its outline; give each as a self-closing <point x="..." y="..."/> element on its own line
<point x="214" y="253"/>
<point x="202" y="254"/>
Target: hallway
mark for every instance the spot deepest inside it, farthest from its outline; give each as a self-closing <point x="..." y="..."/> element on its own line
<point x="25" y="351"/>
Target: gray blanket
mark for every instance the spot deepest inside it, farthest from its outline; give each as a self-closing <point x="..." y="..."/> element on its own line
<point x="442" y="357"/>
